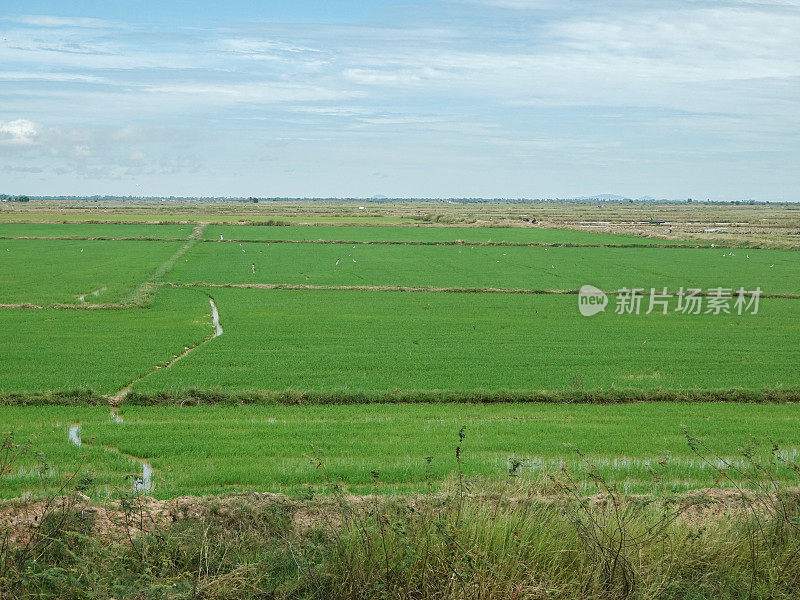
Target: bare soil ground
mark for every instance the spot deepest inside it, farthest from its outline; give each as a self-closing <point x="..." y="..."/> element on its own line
<point x="144" y="513"/>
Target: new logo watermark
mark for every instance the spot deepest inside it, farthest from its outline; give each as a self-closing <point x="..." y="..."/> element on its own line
<point x="591" y="300"/>
<point x="691" y="301"/>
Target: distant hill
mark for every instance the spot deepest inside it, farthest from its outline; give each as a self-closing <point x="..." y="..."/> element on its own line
<point x="617" y="198"/>
<point x="601" y="197"/>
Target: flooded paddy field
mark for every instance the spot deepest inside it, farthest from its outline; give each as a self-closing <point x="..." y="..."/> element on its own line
<point x="394" y="448"/>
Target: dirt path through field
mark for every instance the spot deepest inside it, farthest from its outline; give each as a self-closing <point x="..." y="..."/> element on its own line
<point x="706" y="505"/>
<point x="141" y="294"/>
<point x="138" y="297"/>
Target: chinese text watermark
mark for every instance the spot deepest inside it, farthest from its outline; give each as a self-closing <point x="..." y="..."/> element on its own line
<point x="689" y="301"/>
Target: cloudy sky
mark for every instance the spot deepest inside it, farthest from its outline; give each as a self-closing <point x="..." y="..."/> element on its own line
<point x="489" y="98"/>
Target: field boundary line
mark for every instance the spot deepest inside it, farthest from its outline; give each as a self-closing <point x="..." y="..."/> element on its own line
<point x="86" y="306"/>
<point x="292" y="397"/>
<point x="105" y="222"/>
<point x="488" y="243"/>
<point x="418" y="289"/>
<point x="369" y="242"/>
<point x="115" y="399"/>
<point x="369" y="288"/>
<point x="459" y="243"/>
<point x="354" y="288"/>
<point x="68" y="238"/>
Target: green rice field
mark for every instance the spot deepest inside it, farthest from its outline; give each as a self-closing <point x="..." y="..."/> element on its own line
<point x="94" y="230"/>
<point x="537" y="268"/>
<point x="328" y="340"/>
<point x="153" y="331"/>
<point x="76" y="272"/>
<point x="101" y="350"/>
<point x="211" y="450"/>
<point x="423" y="233"/>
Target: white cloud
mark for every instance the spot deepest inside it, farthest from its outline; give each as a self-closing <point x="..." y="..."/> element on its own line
<point x="55" y="21"/>
<point x="265" y="48"/>
<point x="400" y="120"/>
<point x="60" y="77"/>
<point x="621" y="5"/>
<point x="334" y="111"/>
<point x="571" y="77"/>
<point x="256" y="92"/>
<point x="519" y="4"/>
<point x="19" y="132"/>
<point x="770" y="2"/>
<point x="393" y="77"/>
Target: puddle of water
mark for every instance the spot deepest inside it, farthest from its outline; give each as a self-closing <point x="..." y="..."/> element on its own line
<point x="75" y="435"/>
<point x="95" y="293"/>
<point x="215" y="319"/>
<point x="145" y="482"/>
<point x="115" y="416"/>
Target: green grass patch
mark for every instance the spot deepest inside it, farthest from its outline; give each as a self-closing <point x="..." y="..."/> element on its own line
<point x="191" y="213"/>
<point x="252" y="547"/>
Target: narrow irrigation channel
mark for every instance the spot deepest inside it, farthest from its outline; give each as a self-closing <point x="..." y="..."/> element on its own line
<point x="215" y="321"/>
<point x="215" y="318"/>
<point x="143" y="483"/>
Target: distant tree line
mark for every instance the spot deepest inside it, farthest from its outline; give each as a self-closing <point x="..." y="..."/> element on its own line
<point x="382" y="200"/>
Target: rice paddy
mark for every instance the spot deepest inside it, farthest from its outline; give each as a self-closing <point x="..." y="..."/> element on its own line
<point x="100" y="350"/>
<point x="535" y="268"/>
<point x="44" y="272"/>
<point x="424" y="234"/>
<point x="211" y="450"/>
<point x="94" y="231"/>
<point x="303" y="313"/>
<point x="334" y="341"/>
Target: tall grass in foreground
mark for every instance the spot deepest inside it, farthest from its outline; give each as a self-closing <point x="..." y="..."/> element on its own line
<point x="510" y="540"/>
